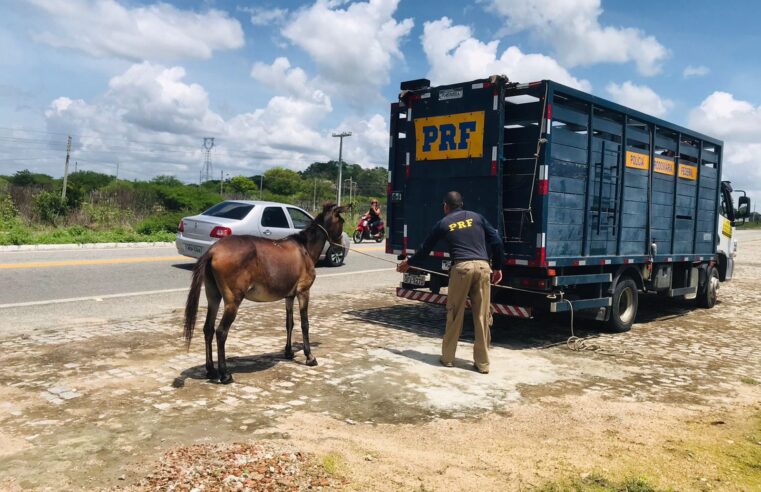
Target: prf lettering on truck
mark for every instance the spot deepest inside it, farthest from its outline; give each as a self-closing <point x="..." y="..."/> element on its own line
<point x="453" y="136"/>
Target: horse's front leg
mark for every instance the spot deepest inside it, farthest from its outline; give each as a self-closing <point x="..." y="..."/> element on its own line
<point x="231" y="310"/>
<point x="288" y="327"/>
<point x="303" y="309"/>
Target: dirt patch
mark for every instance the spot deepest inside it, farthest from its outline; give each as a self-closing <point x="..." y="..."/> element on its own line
<point x="242" y="467"/>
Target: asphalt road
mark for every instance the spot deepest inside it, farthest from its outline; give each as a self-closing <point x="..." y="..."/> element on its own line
<point x="44" y="289"/>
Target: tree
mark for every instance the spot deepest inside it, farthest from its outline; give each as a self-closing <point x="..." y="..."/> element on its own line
<point x="28" y="178"/>
<point x="166" y="180"/>
<point x="242" y="185"/>
<point x="283" y="181"/>
<point x="89" y="180"/>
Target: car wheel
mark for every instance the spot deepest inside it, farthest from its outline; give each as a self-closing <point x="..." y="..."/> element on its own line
<point x="335" y="256"/>
<point x="623" y="309"/>
<point x="357" y="237"/>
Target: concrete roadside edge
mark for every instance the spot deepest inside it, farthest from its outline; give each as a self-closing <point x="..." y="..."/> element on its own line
<point x="52" y="247"/>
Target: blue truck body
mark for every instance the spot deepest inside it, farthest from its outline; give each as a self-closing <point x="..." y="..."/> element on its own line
<point x="585" y="192"/>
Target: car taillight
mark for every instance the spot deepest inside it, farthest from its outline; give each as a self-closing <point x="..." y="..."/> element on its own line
<point x="220" y="231"/>
<point x="181" y="227"/>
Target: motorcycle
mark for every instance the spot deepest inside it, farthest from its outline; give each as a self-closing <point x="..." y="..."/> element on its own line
<point x="363" y="230"/>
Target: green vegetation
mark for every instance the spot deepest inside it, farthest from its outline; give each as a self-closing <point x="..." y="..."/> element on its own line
<point x="101" y="208"/>
<point x="332" y="463"/>
<point x="597" y="483"/>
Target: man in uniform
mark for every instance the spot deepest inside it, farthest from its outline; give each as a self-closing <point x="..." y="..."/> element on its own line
<point x="472" y="243"/>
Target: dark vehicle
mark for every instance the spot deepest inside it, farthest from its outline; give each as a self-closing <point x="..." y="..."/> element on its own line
<point x="596" y="202"/>
<point x="363" y="230"/>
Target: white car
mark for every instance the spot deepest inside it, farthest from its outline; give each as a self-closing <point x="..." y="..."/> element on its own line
<point x="237" y="217"/>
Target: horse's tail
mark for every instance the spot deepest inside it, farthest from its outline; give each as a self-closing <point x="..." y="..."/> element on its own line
<point x="191" y="305"/>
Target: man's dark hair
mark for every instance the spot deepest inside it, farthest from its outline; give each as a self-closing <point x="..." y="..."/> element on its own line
<point x="453" y="199"/>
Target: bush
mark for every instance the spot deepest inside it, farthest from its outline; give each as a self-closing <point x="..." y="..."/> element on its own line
<point x="48" y="206"/>
<point x="88" y="181"/>
<point x="186" y="198"/>
<point x="166" y="222"/>
<point x="8" y="212"/>
<point x="106" y="216"/>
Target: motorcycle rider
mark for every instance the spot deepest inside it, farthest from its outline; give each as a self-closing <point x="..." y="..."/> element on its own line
<point x="374" y="214"/>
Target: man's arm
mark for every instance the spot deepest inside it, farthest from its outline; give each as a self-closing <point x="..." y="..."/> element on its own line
<point x="425" y="248"/>
<point x="497" y="248"/>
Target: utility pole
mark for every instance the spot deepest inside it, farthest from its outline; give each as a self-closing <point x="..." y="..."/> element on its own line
<point x="66" y="169"/>
<point x="76" y="165"/>
<point x="314" y="198"/>
<point x="340" y="160"/>
<point x="208" y="144"/>
<point x="261" y="185"/>
<point x="117" y="169"/>
<point x="221" y="180"/>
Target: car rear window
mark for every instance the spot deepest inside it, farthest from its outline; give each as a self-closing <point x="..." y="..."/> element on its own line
<point x="230" y="210"/>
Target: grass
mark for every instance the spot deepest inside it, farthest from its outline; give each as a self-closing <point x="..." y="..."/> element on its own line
<point x="332" y="463"/>
<point x="19" y="235"/>
<point x="749" y="380"/>
<point x="598" y="483"/>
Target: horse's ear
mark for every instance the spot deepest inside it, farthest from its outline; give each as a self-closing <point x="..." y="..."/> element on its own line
<point x="341" y="209"/>
<point x="327" y="206"/>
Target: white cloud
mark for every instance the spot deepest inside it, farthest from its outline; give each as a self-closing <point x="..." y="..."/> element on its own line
<point x="153" y="121"/>
<point x="692" y="71"/>
<point x="354" y="48"/>
<point x="573" y="29"/>
<point x="261" y="16"/>
<point x="722" y="116"/>
<point x="455" y="55"/>
<point x="738" y="123"/>
<point x="639" y="97"/>
<point x="105" y="28"/>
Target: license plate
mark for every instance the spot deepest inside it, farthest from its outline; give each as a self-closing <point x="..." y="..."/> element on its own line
<point x="192" y="248"/>
<point x="446" y="265"/>
<point x="412" y="279"/>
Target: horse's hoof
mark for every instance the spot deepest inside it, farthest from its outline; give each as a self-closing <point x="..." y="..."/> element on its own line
<point x="290" y="355"/>
<point x="212" y="374"/>
<point x="226" y="379"/>
<point x="312" y="362"/>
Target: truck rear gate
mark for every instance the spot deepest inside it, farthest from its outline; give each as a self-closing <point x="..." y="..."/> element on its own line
<point x="581" y="189"/>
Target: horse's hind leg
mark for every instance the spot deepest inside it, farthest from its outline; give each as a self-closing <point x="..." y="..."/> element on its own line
<point x="288" y="327"/>
<point x="303" y="309"/>
<point x="228" y="316"/>
<point x="212" y="298"/>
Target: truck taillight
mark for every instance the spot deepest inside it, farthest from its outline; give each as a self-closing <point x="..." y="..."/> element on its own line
<point x="221" y="232"/>
<point x="181" y="226"/>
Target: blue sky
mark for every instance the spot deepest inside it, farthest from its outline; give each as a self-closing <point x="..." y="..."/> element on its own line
<point x="142" y="82"/>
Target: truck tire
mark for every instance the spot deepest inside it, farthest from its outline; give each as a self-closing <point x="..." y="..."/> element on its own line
<point x="707" y="293"/>
<point x="623" y="309"/>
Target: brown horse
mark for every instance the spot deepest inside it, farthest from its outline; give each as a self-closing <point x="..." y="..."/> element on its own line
<point x="261" y="270"/>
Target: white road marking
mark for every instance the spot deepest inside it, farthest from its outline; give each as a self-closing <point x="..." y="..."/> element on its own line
<point x="99" y="298"/>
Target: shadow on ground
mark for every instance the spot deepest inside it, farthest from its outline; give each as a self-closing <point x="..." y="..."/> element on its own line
<point x="248" y="364"/>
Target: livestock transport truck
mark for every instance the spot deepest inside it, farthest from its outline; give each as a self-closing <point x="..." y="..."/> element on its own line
<point x="596" y="202"/>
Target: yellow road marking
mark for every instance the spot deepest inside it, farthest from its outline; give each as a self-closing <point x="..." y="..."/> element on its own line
<point x="112" y="261"/>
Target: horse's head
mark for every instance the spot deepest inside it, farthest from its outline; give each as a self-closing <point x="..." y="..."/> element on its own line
<point x="330" y="218"/>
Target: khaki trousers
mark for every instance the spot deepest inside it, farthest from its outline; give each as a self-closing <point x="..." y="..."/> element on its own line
<point x="469" y="279"/>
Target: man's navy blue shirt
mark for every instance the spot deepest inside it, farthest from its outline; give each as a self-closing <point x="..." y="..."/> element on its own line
<point x="469" y="237"/>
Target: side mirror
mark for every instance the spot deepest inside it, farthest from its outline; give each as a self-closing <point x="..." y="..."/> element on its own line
<point x="743" y="208"/>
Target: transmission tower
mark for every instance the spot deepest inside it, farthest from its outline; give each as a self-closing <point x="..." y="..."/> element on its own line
<point x="206" y="171"/>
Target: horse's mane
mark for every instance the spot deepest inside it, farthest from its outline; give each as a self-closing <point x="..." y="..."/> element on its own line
<point x="303" y="236"/>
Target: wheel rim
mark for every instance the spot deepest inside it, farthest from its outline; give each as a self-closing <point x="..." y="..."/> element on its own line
<point x="336" y="256"/>
<point x="626" y="306"/>
<point x="713" y="287"/>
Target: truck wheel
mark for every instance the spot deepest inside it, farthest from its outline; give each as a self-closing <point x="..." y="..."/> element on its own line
<point x="708" y="292"/>
<point x="623" y="309"/>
